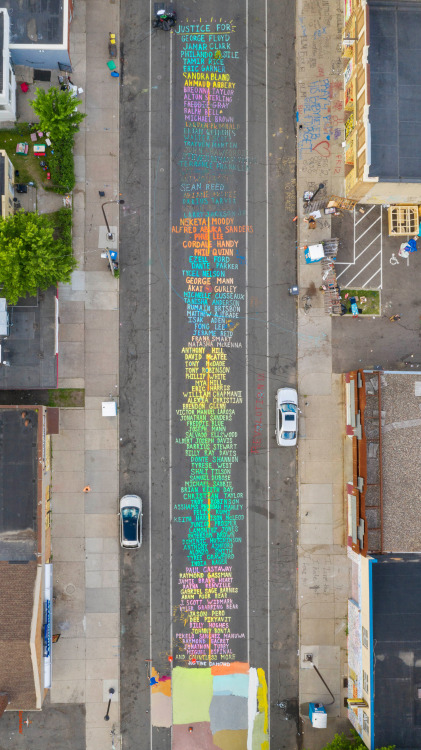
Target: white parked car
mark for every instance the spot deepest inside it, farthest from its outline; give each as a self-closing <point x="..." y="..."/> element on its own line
<point x="286" y="416"/>
<point x="131" y="521"/>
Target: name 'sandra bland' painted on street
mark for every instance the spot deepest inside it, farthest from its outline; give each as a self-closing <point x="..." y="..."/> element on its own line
<point x="209" y="237"/>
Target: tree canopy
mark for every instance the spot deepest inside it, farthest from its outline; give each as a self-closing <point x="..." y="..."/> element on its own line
<point x="57" y="114"/>
<point x="30" y="257"/>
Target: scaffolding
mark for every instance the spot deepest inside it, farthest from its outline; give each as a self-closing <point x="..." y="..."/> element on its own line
<point x="403" y="220"/>
<point x="335" y="201"/>
<point x="331" y="296"/>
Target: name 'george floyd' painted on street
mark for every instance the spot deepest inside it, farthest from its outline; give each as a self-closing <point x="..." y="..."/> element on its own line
<point x="209" y="239"/>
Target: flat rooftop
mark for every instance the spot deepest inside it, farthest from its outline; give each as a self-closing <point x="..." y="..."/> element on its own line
<point x="396" y="586"/>
<point x="30" y="347"/>
<point x="394" y="58"/>
<point x="401" y="461"/>
<point x="18" y="484"/>
<point x="35" y="21"/>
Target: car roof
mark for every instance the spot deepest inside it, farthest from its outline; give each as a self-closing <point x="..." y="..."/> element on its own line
<point x="288" y="394"/>
<point x="131" y="500"/>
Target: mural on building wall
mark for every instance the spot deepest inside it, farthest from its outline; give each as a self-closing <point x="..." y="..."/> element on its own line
<point x="354" y="642"/>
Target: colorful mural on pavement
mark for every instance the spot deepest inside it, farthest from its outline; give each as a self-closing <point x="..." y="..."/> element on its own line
<point x="210" y="237"/>
<point x="218" y="699"/>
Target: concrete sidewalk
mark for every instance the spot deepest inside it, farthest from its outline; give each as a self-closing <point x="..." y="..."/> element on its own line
<point x="322" y="558"/>
<point x="85" y="525"/>
<point x="85" y="530"/>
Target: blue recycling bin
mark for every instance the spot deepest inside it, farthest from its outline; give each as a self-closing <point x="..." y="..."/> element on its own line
<point x="318" y="715"/>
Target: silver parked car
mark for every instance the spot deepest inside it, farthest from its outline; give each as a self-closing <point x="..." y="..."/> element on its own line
<point x="131" y="521"/>
<point x="286" y="416"/>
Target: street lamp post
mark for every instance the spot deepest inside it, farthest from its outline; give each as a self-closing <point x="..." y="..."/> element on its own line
<point x="110" y="234"/>
<point x="110" y="693"/>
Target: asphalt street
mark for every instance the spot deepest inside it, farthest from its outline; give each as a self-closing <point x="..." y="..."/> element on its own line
<point x="207" y="335"/>
<point x="61" y="726"/>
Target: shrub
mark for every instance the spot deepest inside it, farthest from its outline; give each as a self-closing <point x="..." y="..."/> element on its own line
<point x="62" y="166"/>
<point x="61" y="223"/>
<point x="57" y="114"/>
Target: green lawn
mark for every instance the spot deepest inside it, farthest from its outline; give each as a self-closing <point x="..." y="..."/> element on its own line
<point x="370" y="307"/>
<point x="28" y="166"/>
<point x="66" y="397"/>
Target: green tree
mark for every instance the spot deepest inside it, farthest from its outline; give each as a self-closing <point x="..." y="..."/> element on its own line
<point x="57" y="114"/>
<point x="344" y="742"/>
<point x="30" y="257"/>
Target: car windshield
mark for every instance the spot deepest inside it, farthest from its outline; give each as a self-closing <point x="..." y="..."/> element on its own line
<point x="289" y="407"/>
<point x="288" y="435"/>
<point x="130" y="516"/>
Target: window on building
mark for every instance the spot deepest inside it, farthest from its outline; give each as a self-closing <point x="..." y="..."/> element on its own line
<point x="365" y="682"/>
<point x="42" y="75"/>
<point x="366" y="722"/>
<point x="365" y="637"/>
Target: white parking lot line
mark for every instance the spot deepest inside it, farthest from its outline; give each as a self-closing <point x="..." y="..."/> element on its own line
<point x="372" y="252"/>
<point x="350" y="281"/>
<point x="367" y="247"/>
<point x="364" y="216"/>
<point x="357" y="239"/>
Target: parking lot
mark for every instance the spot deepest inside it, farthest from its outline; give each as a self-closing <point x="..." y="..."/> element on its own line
<point x="368" y="259"/>
<point x="360" y="257"/>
